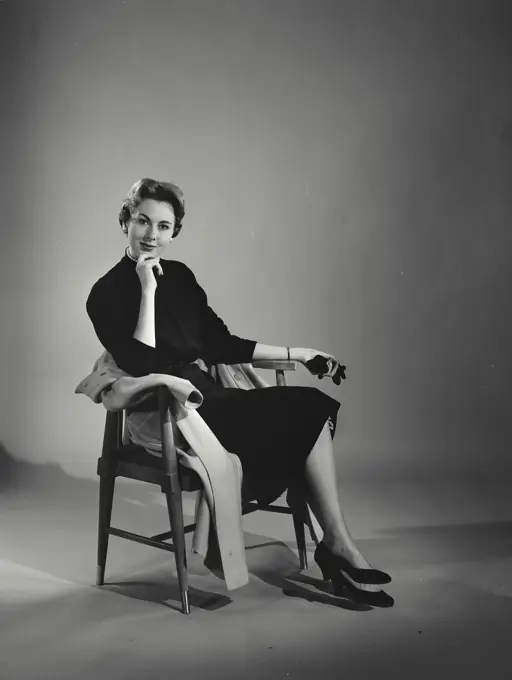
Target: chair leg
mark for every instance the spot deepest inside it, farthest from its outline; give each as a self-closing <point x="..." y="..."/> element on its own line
<point x="175" y="508"/>
<point x="300" y="536"/>
<point x="107" y="483"/>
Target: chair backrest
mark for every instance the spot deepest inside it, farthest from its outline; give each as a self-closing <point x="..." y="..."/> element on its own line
<point x="113" y="432"/>
<point x="116" y="435"/>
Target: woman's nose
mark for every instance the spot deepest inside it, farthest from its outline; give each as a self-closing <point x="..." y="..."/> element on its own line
<point x="151" y="233"/>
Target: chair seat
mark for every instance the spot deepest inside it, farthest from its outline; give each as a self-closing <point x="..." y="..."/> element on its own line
<point x="134" y="462"/>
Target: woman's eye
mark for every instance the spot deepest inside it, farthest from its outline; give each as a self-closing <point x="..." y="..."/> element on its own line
<point x="141" y="220"/>
<point x="164" y="226"/>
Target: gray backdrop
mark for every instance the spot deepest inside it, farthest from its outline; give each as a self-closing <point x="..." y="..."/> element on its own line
<point x="346" y="167"/>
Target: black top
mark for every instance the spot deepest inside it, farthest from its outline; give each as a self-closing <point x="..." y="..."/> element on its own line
<point x="186" y="327"/>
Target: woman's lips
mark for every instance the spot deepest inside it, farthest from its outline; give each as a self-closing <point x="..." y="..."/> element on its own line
<point x="147" y="246"/>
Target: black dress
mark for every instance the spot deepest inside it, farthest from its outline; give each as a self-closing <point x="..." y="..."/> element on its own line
<point x="272" y="430"/>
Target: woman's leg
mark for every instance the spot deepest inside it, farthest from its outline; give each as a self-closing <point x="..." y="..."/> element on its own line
<point x="322" y="497"/>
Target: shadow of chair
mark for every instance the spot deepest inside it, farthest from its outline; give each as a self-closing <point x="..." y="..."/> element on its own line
<point x="131" y="461"/>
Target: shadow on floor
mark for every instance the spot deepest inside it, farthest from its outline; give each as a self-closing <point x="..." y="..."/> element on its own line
<point x="165" y="592"/>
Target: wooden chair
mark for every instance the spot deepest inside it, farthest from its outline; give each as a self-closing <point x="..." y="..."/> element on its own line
<point x="133" y="462"/>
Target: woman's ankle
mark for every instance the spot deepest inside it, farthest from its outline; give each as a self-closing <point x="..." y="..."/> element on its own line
<point x="345" y="549"/>
<point x="337" y="546"/>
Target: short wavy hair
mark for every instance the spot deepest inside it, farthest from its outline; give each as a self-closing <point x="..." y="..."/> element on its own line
<point x="159" y="191"/>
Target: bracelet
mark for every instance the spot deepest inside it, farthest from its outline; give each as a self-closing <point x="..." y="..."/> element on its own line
<point x="288" y="350"/>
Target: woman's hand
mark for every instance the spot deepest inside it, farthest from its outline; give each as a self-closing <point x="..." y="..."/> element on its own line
<point x="144" y="269"/>
<point x="304" y="355"/>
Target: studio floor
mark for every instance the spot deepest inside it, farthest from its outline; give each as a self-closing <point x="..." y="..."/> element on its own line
<point x="447" y="543"/>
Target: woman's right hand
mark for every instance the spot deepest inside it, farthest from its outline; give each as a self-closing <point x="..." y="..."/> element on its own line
<point x="144" y="269"/>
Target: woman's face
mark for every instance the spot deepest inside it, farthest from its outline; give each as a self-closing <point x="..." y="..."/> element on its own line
<point x="150" y="228"/>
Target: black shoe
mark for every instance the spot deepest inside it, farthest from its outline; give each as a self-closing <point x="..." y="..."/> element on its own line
<point x="333" y="566"/>
<point x="342" y="588"/>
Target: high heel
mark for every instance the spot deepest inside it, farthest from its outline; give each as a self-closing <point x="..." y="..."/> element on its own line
<point x="333" y="565"/>
<point x="342" y="588"/>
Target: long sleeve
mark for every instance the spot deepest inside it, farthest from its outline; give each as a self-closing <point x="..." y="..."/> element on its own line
<point x="219" y="345"/>
<point x="114" y="329"/>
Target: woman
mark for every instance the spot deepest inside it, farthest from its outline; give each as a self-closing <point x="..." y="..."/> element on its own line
<point x="153" y="317"/>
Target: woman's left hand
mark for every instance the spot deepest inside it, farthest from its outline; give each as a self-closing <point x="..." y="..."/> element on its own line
<point x="305" y="354"/>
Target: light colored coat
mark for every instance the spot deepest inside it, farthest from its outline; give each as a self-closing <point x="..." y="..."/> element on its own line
<point x="220" y="471"/>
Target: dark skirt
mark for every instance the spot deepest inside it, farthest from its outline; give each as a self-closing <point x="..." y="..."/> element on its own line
<point x="272" y="430"/>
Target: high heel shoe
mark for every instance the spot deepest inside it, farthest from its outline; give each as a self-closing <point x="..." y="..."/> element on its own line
<point x="342" y="588"/>
<point x="334" y="565"/>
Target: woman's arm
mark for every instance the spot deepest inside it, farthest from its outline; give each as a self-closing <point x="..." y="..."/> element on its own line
<point x="303" y="355"/>
<point x="134" y="349"/>
<point x="116" y="332"/>
<point x="145" y="329"/>
<point x="275" y="353"/>
<point x="217" y="344"/>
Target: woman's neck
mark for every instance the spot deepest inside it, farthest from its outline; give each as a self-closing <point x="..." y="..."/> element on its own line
<point x="127" y="251"/>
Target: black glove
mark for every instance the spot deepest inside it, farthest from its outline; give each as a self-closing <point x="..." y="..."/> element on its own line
<point x="319" y="366"/>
